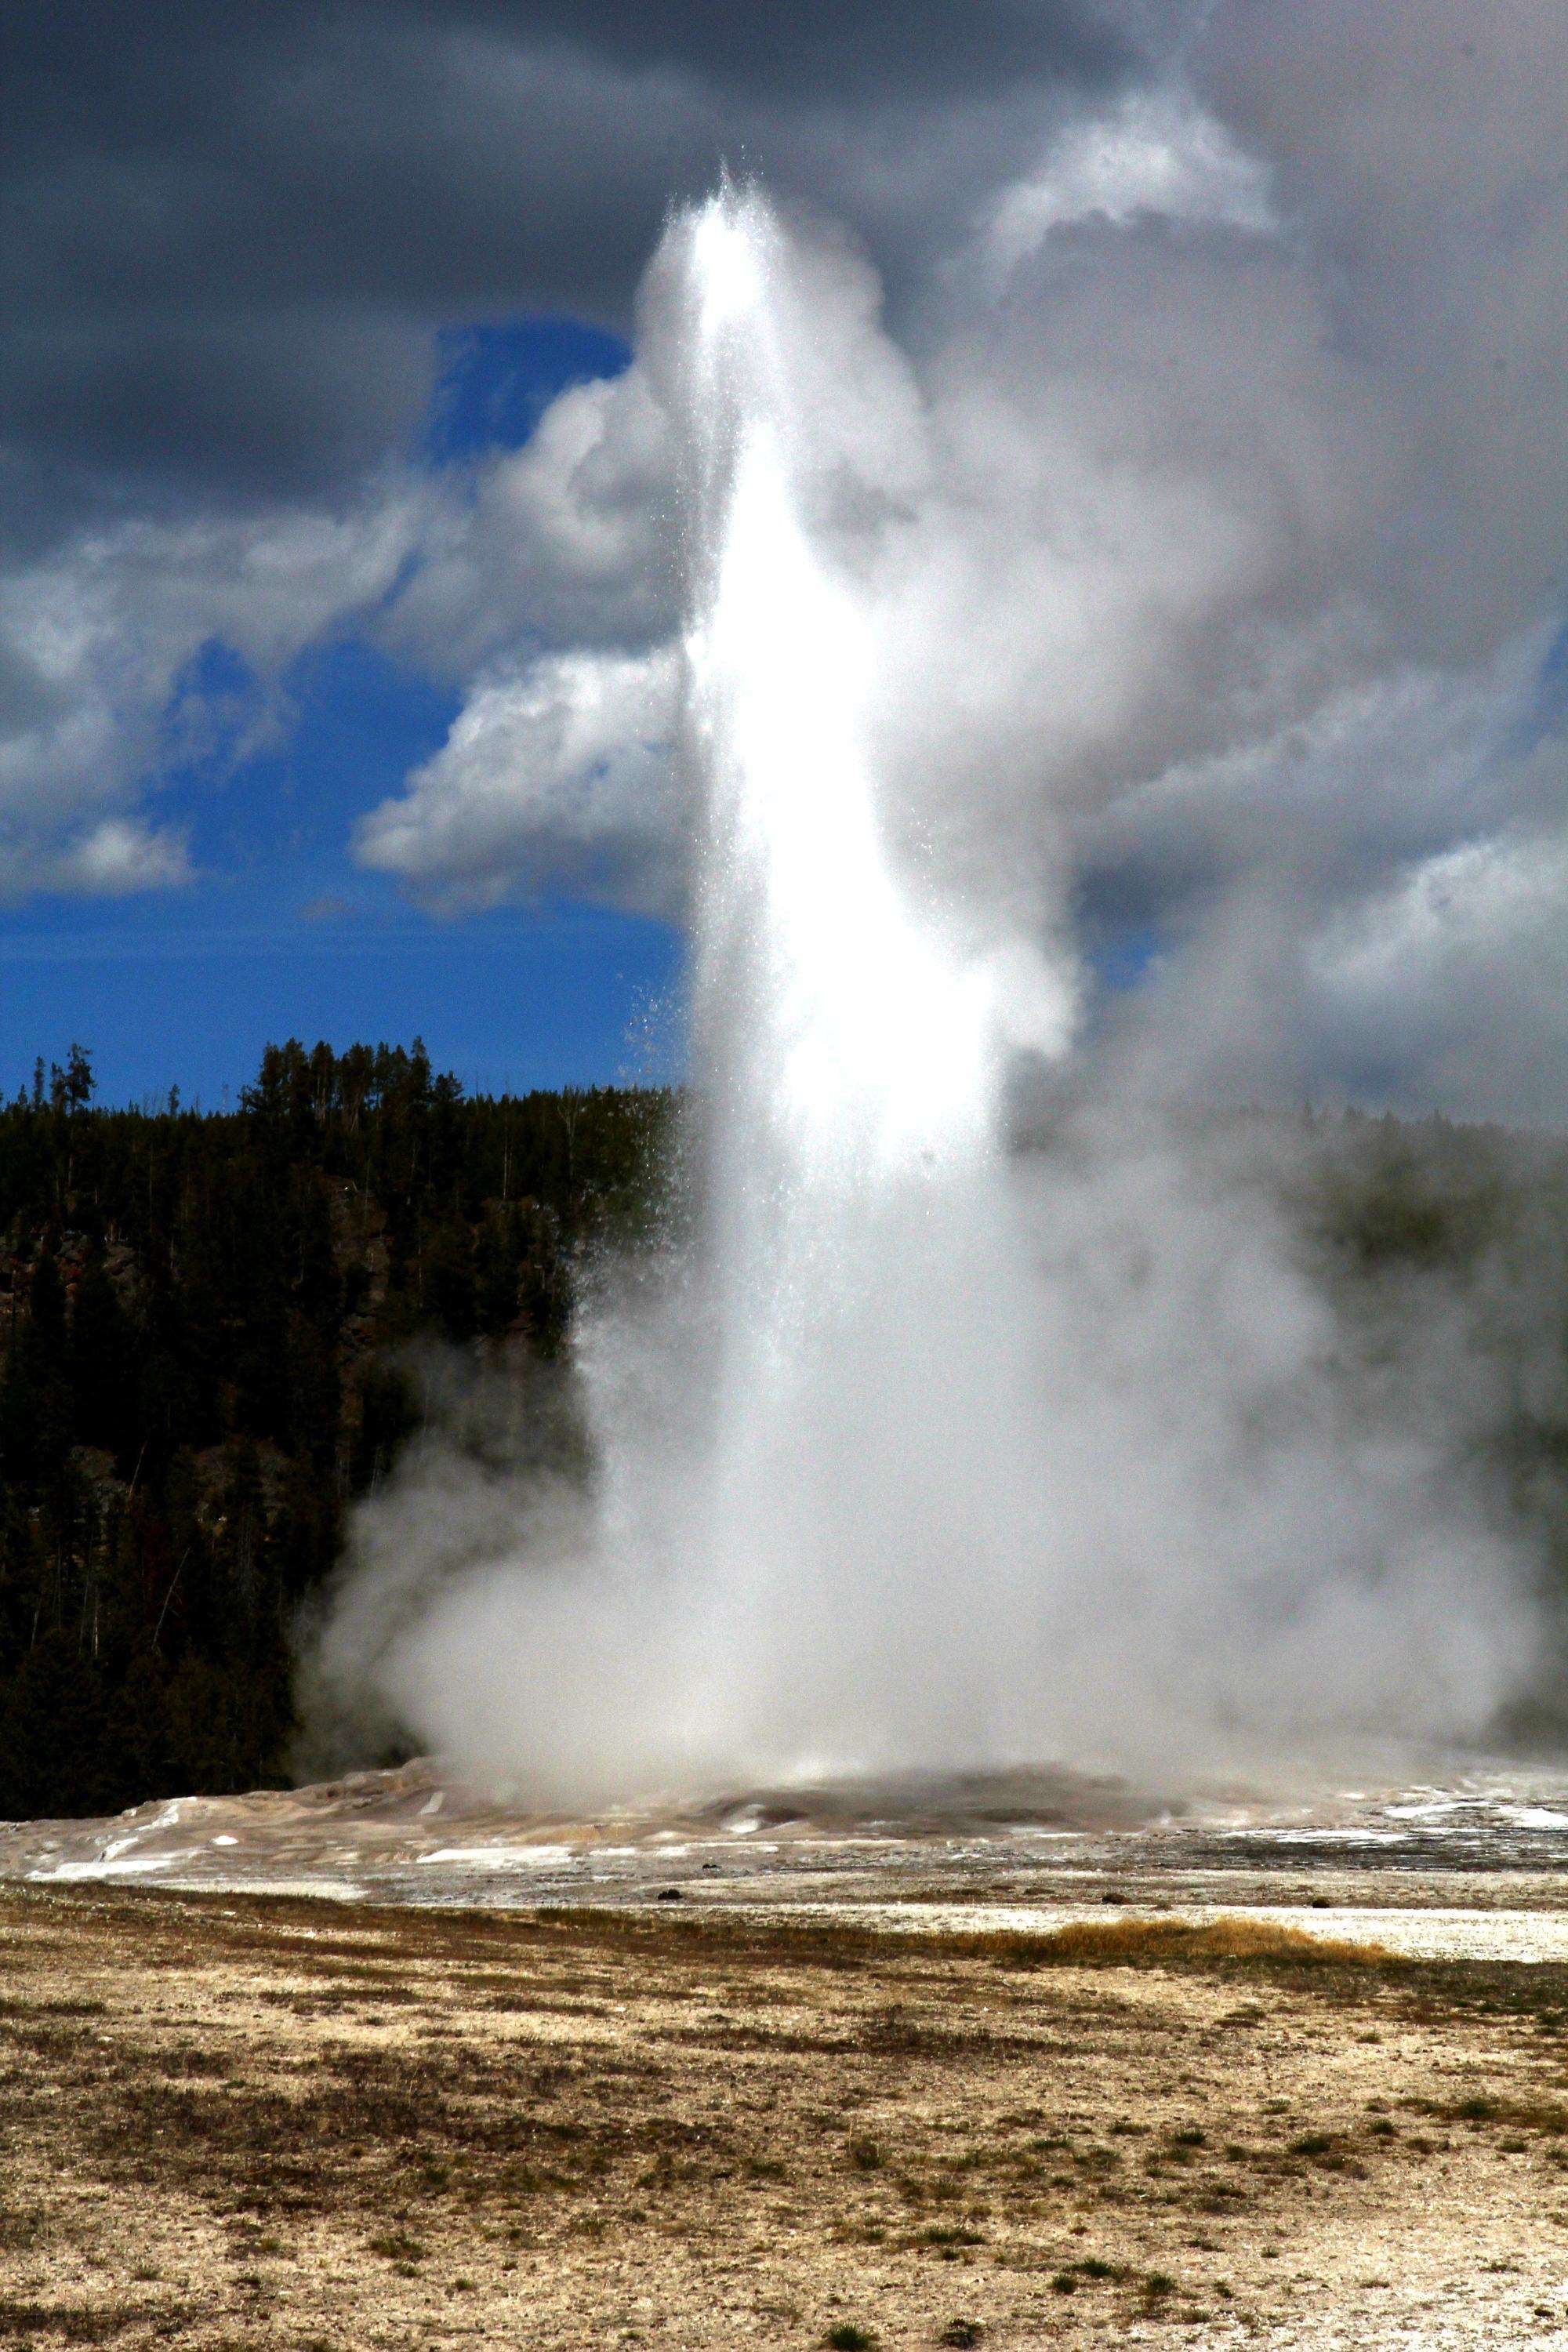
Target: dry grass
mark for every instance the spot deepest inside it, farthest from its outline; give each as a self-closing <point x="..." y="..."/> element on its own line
<point x="1178" y="1943"/>
<point x="291" y="2125"/>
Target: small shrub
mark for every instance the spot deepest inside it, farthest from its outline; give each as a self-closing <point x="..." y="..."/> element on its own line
<point x="961" y="2335"/>
<point x="1067" y="2282"/>
<point x="845" y="2335"/>
<point x="397" y="2246"/>
<point x="866" y="2155"/>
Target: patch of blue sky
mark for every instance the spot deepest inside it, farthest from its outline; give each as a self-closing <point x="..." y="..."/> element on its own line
<point x="1542" y="704"/>
<point x="1548" y="713"/>
<point x="556" y="996"/>
<point x="281" y="932"/>
<point x="271" y="785"/>
<point x="1126" y="957"/>
<point x="498" y="376"/>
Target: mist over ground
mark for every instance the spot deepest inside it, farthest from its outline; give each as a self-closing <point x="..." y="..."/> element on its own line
<point x="1286" y="1496"/>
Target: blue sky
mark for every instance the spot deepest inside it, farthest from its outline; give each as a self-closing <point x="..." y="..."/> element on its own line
<point x="281" y="933"/>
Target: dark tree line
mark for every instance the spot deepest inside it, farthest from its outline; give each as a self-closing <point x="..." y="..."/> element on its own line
<point x="204" y="1317"/>
<point x="200" y="1321"/>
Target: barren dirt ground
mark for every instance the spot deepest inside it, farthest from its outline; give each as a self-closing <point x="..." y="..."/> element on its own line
<point x="251" y="2120"/>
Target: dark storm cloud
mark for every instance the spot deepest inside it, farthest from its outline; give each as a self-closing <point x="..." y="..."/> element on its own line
<point x="230" y="233"/>
<point x="873" y="49"/>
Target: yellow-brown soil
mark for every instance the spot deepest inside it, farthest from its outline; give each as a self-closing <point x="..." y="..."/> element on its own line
<point x="252" y="2121"/>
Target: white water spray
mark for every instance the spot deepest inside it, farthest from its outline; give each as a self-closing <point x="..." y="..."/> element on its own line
<point x="917" y="1457"/>
<point x="862" y="1493"/>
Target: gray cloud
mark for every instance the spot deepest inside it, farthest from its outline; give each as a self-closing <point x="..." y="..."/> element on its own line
<point x="868" y="51"/>
<point x="1419" y="149"/>
<point x="233" y="231"/>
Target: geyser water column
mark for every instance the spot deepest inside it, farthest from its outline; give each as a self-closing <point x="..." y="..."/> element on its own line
<point x="814" y="1539"/>
<point x="916" y="1456"/>
<point x="863" y="1515"/>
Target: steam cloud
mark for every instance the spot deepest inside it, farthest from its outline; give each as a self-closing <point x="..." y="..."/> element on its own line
<point x="927" y="1453"/>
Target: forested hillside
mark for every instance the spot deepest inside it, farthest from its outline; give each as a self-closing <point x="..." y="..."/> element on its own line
<point x="207" y="1320"/>
<point x="201" y="1317"/>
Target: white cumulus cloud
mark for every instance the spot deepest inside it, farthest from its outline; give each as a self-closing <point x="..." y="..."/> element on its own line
<point x="97" y="638"/>
<point x="1452" y="985"/>
<point x="558" y="778"/>
<point x="1157" y="153"/>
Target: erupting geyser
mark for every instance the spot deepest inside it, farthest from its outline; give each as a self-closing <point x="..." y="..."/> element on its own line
<point x="915" y="1456"/>
<point x="861" y="1483"/>
<point x="810" y="1536"/>
<point x="799" y="1567"/>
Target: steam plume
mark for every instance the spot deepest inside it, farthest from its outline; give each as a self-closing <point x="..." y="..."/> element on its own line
<point x="922" y="1454"/>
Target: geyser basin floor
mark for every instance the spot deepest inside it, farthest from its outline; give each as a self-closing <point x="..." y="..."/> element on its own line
<point x="1472" y="1866"/>
<point x="251" y="2119"/>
